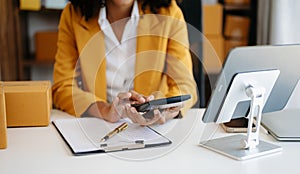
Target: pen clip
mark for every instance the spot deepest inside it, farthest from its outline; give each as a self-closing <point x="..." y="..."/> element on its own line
<point x="118" y="129"/>
<point x="122" y="127"/>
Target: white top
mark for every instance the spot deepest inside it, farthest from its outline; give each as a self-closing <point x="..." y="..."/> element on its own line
<point x="120" y="56"/>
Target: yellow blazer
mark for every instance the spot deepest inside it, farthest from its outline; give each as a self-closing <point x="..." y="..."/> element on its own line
<point x="163" y="63"/>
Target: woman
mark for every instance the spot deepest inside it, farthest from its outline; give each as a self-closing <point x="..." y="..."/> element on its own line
<point x="121" y="50"/>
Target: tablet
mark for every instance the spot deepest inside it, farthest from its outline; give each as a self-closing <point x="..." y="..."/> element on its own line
<point x="161" y="103"/>
<point x="284" y="58"/>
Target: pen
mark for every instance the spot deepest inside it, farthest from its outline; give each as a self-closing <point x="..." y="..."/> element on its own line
<point x="118" y="129"/>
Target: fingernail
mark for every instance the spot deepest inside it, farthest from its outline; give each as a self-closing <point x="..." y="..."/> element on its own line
<point x="142" y="99"/>
<point x="156" y="112"/>
<point x="132" y="110"/>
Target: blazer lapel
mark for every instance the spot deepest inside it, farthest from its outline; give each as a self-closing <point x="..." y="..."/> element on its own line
<point x="150" y="53"/>
<point x="92" y="57"/>
<point x="91" y="25"/>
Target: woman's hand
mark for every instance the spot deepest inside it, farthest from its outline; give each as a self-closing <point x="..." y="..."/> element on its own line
<point x="107" y="111"/>
<point x="121" y="107"/>
<point x="159" y="117"/>
<point x="116" y="110"/>
<point x="137" y="98"/>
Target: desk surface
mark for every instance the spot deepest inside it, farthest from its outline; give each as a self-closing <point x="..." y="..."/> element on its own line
<point x="42" y="150"/>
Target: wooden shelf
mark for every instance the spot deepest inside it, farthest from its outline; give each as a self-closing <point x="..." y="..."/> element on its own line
<point x="37" y="63"/>
<point x="19" y="26"/>
<point x="247" y="10"/>
<point x="44" y="9"/>
<point x="27" y="26"/>
<point x="233" y="7"/>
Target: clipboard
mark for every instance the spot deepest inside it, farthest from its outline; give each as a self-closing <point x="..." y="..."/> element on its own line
<point x="83" y="135"/>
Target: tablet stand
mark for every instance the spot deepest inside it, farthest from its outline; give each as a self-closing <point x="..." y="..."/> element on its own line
<point x="257" y="99"/>
<point x="245" y="88"/>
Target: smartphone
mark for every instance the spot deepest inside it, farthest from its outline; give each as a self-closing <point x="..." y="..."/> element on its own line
<point x="239" y="125"/>
<point x="160" y="104"/>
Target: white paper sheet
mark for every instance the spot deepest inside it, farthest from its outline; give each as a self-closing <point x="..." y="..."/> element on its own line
<point x="84" y="134"/>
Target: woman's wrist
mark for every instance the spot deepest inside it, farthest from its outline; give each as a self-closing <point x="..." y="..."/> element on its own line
<point x="104" y="111"/>
<point x="97" y="109"/>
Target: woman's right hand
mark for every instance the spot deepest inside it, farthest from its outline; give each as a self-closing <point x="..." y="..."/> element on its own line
<point x="106" y="111"/>
<point x="111" y="112"/>
<point x="116" y="110"/>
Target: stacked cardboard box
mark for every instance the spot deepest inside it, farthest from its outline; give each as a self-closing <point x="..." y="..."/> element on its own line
<point x="213" y="42"/>
<point x="3" y="139"/>
<point x="37" y="4"/>
<point x="236" y="28"/>
<point x="28" y="103"/>
<point x="30" y="4"/>
<point x="236" y="31"/>
<point x="24" y="103"/>
<point x="239" y="2"/>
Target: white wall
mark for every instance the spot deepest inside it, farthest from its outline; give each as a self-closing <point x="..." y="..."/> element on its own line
<point x="278" y="23"/>
<point x="285" y="23"/>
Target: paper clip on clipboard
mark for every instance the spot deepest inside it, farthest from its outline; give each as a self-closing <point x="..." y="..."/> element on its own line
<point x="139" y="144"/>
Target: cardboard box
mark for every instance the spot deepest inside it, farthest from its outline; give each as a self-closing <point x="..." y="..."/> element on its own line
<point x="231" y="43"/>
<point x="212" y="19"/>
<point x="46" y="45"/>
<point x="213" y="53"/>
<point x="30" y="5"/>
<point x="3" y="136"/>
<point x="237" y="27"/>
<point x="237" y="2"/>
<point x="28" y="103"/>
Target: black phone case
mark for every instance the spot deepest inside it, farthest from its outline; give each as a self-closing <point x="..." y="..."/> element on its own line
<point x="155" y="104"/>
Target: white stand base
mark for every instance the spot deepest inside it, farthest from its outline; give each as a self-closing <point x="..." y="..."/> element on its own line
<point x="231" y="146"/>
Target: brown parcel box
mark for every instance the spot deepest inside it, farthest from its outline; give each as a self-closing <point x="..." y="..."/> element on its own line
<point x="212" y="19"/>
<point x="236" y="27"/>
<point x="3" y="139"/>
<point x="28" y="103"/>
<point x="213" y="53"/>
<point x="30" y="4"/>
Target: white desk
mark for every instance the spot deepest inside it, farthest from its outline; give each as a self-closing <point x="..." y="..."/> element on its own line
<point x="42" y="150"/>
